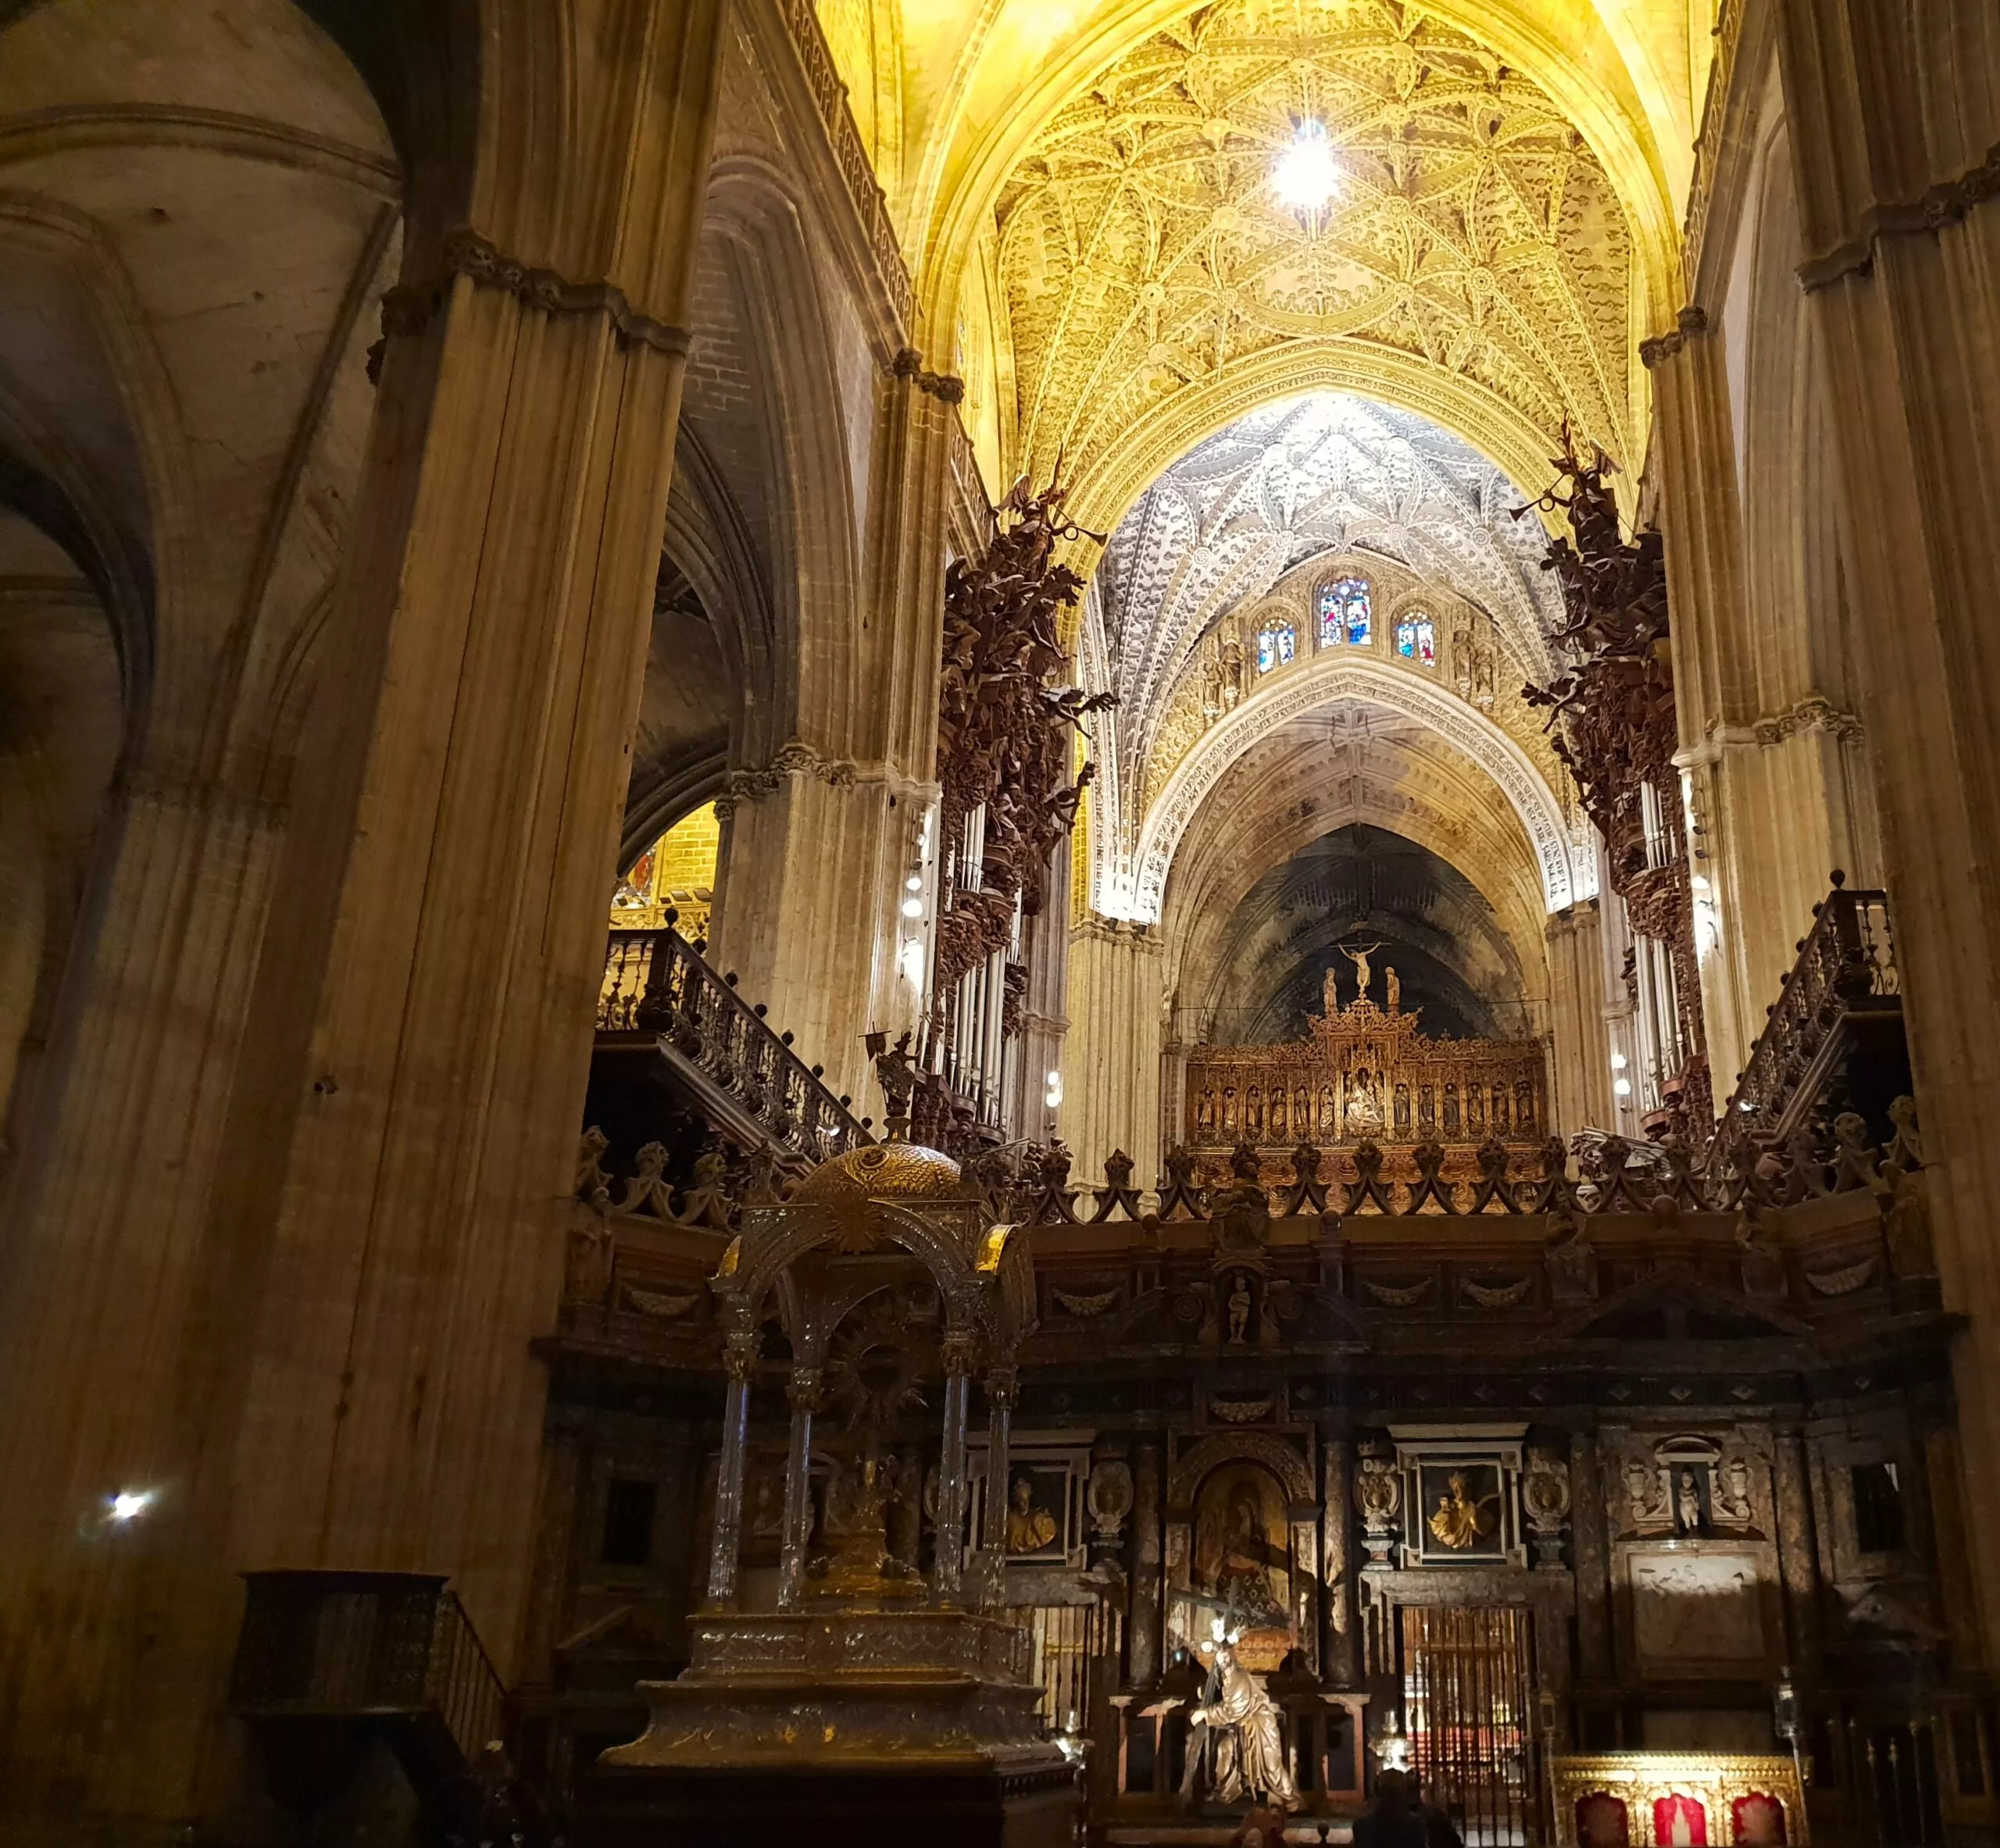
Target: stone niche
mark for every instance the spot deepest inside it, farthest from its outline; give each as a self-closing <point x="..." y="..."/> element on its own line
<point x="1694" y="1565"/>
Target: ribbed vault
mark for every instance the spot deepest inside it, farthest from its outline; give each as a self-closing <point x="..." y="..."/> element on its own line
<point x="1360" y="884"/>
<point x="1356" y="764"/>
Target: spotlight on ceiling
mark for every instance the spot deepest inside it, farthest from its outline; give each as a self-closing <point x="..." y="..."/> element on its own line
<point x="1305" y="177"/>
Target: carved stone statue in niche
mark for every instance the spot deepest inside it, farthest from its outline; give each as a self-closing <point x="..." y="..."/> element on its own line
<point x="1229" y="653"/>
<point x="1239" y="1311"/>
<point x="1687" y="1504"/>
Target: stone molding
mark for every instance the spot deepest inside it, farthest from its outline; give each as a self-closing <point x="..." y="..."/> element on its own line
<point x="1815" y="713"/>
<point x="794" y="757"/>
<point x="1942" y="205"/>
<point x="408" y="308"/>
<point x="1567" y="874"/>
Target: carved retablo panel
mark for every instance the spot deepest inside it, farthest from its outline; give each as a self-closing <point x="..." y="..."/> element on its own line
<point x="1365" y="1075"/>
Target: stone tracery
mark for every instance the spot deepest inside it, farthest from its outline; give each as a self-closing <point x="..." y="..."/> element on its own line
<point x="1141" y="251"/>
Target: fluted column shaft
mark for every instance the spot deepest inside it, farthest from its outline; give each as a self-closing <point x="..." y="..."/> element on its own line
<point x="1112" y="1099"/>
<point x="1893" y="113"/>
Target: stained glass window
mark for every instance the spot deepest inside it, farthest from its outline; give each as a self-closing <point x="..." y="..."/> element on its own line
<point x="1416" y="640"/>
<point x="1344" y="616"/>
<point x="1276" y="645"/>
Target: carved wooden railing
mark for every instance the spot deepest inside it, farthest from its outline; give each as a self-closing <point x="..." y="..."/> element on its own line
<point x="1846" y="968"/>
<point x="377" y="1646"/>
<point x="656" y="983"/>
<point x="1030" y="1184"/>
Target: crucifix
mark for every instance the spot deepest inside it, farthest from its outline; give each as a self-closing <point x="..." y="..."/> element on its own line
<point x="1362" y="975"/>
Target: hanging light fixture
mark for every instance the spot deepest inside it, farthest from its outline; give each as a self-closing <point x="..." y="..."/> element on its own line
<point x="1305" y="177"/>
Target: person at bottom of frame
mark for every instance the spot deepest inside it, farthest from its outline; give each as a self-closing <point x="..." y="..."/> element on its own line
<point x="1393" y="1819"/>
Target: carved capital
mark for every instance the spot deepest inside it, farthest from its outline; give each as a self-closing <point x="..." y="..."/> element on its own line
<point x="739" y="1354"/>
<point x="805" y="1389"/>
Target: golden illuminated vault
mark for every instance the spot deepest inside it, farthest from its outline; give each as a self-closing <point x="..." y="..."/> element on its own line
<point x="1476" y="241"/>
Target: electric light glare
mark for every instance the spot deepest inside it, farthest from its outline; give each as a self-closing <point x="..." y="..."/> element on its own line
<point x="912" y="908"/>
<point x="1621" y="1087"/>
<point x="1618" y="1061"/>
<point x="914" y="883"/>
<point x="128" y="1504"/>
<point x="1305" y="177"/>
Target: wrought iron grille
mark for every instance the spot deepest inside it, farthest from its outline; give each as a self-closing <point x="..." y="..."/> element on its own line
<point x="1467" y="1696"/>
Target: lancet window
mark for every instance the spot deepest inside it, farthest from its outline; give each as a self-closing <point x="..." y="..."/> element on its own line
<point x="1416" y="639"/>
<point x="1277" y="642"/>
<point x="1345" y="613"/>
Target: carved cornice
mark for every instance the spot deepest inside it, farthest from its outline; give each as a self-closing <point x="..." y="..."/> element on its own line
<point x="1944" y="204"/>
<point x="408" y="308"/>
<point x="1690" y="321"/>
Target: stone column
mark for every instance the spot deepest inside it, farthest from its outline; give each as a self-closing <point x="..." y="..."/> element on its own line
<point x="949" y="1572"/>
<point x="1144" y="1635"/>
<point x="1114" y="1048"/>
<point x="1580" y="1051"/>
<point x="1893" y="112"/>
<point x="820" y="842"/>
<point x="1761" y="742"/>
<point x="1587" y="1536"/>
<point x="725" y="1546"/>
<point x="1341" y="1662"/>
<point x="802" y="1389"/>
<point x="1796" y="1571"/>
<point x="808" y="910"/>
<point x="1003" y="1388"/>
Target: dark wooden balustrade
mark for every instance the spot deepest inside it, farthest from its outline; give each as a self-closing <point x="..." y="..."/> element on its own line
<point x="327" y="1660"/>
<point x="1835" y="1033"/>
<point x="658" y="986"/>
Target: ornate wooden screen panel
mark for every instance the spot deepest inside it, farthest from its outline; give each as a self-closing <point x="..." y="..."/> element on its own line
<point x="1364" y="1074"/>
<point x="1468" y="1691"/>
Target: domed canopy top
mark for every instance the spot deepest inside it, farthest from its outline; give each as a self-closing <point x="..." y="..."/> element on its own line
<point x="880" y="1171"/>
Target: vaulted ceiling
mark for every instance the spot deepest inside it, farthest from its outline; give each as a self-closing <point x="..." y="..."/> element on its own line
<point x="1360" y="886"/>
<point x="1474" y="240"/>
<point x="1314" y="475"/>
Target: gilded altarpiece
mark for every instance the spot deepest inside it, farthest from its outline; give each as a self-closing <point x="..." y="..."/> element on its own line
<point x="1363" y="1074"/>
